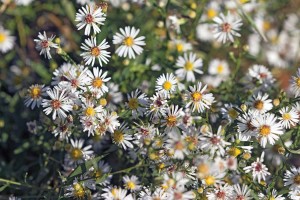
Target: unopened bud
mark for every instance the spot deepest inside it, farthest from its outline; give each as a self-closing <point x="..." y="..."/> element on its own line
<point x="276" y="102"/>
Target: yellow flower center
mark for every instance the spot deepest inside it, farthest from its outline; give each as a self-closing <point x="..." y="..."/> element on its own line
<point x="232" y="113"/>
<point x="258" y="105"/>
<point x="78" y="191"/>
<point x="197" y="96"/>
<point x="118" y="136"/>
<point x="266" y="25"/>
<point x="170" y="182"/>
<point x="179" y="145"/>
<point x="167" y="85"/>
<point x="243" y="1"/>
<point x="203" y="168"/>
<point x="272" y="198"/>
<point x="90" y="111"/>
<point x="128" y="41"/>
<point x="264" y="130"/>
<point x="210" y="180"/>
<point x="233" y="151"/>
<point x="2" y="37"/>
<point x="35" y="92"/>
<point x="114" y="192"/>
<point x="130" y="185"/>
<point x="211" y="13"/>
<point x="179" y="47"/>
<point x="298" y="82"/>
<point x="286" y="116"/>
<point x="297" y="179"/>
<point x="76" y="154"/>
<point x="133" y="103"/>
<point x="171" y="120"/>
<point x="95" y="51"/>
<point x="220" y="69"/>
<point x="189" y="66"/>
<point x="97" y="83"/>
<point x="98" y="173"/>
<point x="103" y="102"/>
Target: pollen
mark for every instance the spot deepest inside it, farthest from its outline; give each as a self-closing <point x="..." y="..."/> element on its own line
<point x="128" y="41"/>
<point x="97" y="83"/>
<point x="179" y="47"/>
<point x="2" y="37"/>
<point x="133" y="103"/>
<point x="76" y="154"/>
<point x="264" y="130"/>
<point x="55" y="104"/>
<point x="167" y="85"/>
<point x="220" y="69"/>
<point x="171" y="120"/>
<point x="226" y="27"/>
<point x="130" y="185"/>
<point x="35" y="92"/>
<point x="89" y="19"/>
<point x="210" y="180"/>
<point x="258" y="105"/>
<point x="118" y="136"/>
<point x="297" y="179"/>
<point x="298" y="82"/>
<point x="78" y="191"/>
<point x="90" y="111"/>
<point x="233" y="151"/>
<point x="189" y="66"/>
<point x="286" y="116"/>
<point x="95" y="51"/>
<point x="197" y="96"/>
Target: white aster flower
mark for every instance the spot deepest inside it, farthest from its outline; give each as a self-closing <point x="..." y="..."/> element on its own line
<point x="267" y="128"/>
<point x="294" y="194"/>
<point x="94" y="51"/>
<point x="260" y="74"/>
<point x="6" y="40"/>
<point x="292" y="178"/>
<point x="89" y="17"/>
<point x="59" y="103"/>
<point x="171" y="118"/>
<point x="188" y="64"/>
<point x="261" y="103"/>
<point x="121" y="137"/>
<point x="78" y="153"/>
<point x="177" y="146"/>
<point x="166" y="84"/>
<point x="221" y="193"/>
<point x="157" y="106"/>
<point x="219" y="67"/>
<point x="273" y="196"/>
<point x="245" y="127"/>
<point x="97" y="82"/>
<point x="241" y="193"/>
<point x="227" y="27"/>
<point x="130" y="43"/>
<point x="137" y="102"/>
<point x="288" y="118"/>
<point x="131" y="183"/>
<point x="198" y="98"/>
<point x="258" y="170"/>
<point x="35" y="95"/>
<point x="44" y="44"/>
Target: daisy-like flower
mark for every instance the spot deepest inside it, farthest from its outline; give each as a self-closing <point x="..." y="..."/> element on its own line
<point x="219" y="67"/>
<point x="90" y="17"/>
<point x="92" y="110"/>
<point x="121" y="137"/>
<point x="110" y="122"/>
<point x="137" y="102"/>
<point x="130" y="43"/>
<point x="59" y="103"/>
<point x="75" y="79"/>
<point x="245" y="127"/>
<point x="35" y="95"/>
<point x="131" y="183"/>
<point x="241" y="193"/>
<point x="188" y="64"/>
<point x="44" y="44"/>
<point x="99" y="171"/>
<point x="273" y="196"/>
<point x="171" y="118"/>
<point x="295" y="84"/>
<point x="62" y="73"/>
<point x="97" y="81"/>
<point x="261" y="103"/>
<point x="63" y="129"/>
<point x="158" y="105"/>
<point x="294" y="194"/>
<point x="6" y="40"/>
<point x="93" y="51"/>
<point x="221" y="193"/>
<point x="181" y="45"/>
<point x="166" y="84"/>
<point x="175" y="180"/>
<point x="292" y="178"/>
<point x="158" y="193"/>
<point x="260" y="74"/>
<point x="177" y="146"/>
<point x="227" y="27"/>
<point x="288" y="118"/>
<point x="78" y="153"/>
<point x="267" y="128"/>
<point x="199" y="99"/>
<point x="182" y="194"/>
<point x="77" y="190"/>
<point x="214" y="143"/>
<point x="258" y="170"/>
